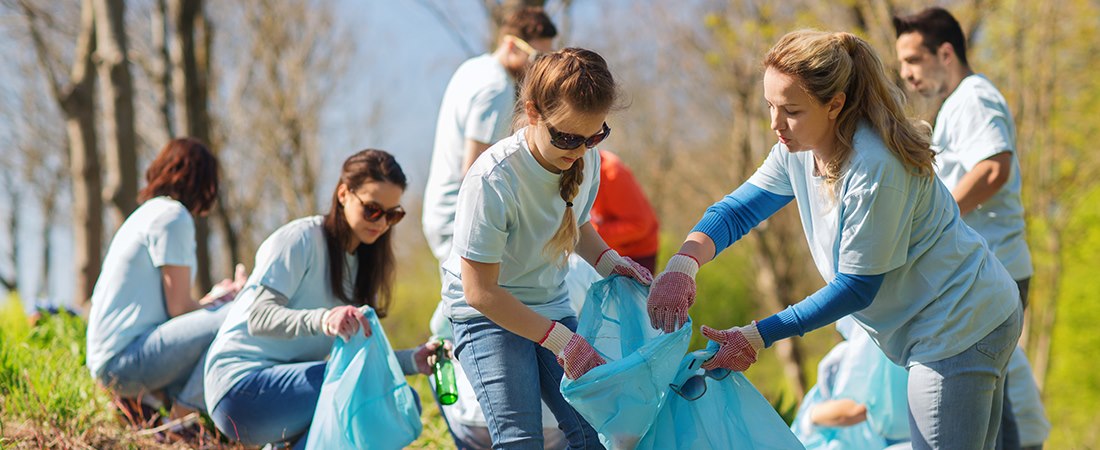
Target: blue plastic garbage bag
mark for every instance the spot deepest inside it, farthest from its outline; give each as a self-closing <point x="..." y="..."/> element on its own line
<point x="870" y="378"/>
<point x="620" y="399"/>
<point x="816" y="437"/>
<point x="365" y="402"/>
<point x="727" y="412"/>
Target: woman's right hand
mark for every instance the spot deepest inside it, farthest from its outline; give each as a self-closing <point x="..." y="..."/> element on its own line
<point x="344" y="321"/>
<point x="672" y="293"/>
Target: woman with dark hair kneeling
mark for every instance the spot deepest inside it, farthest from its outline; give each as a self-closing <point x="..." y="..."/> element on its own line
<point x="266" y="366"/>
<point x="145" y="332"/>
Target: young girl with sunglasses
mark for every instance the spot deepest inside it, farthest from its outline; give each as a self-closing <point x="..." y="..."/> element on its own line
<point x="522" y="210"/>
<point x="881" y="228"/>
<point x="265" y="368"/>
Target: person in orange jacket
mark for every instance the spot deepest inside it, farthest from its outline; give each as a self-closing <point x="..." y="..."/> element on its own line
<point x="622" y="215"/>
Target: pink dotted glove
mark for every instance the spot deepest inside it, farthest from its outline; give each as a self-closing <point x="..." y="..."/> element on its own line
<point x="673" y="293"/>
<point x="573" y="352"/>
<point x="610" y="262"/>
<point x="738" y="347"/>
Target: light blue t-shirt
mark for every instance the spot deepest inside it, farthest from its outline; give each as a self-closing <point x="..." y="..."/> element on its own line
<point x="293" y="261"/>
<point x="509" y="208"/>
<point x="128" y="299"/>
<point x="943" y="289"/>
<point x="973" y="125"/>
<point x="478" y="105"/>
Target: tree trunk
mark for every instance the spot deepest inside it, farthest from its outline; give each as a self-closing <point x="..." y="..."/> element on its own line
<point x="78" y="105"/>
<point x="120" y="156"/>
<point x="47" y="225"/>
<point x="11" y="283"/>
<point x="162" y="63"/>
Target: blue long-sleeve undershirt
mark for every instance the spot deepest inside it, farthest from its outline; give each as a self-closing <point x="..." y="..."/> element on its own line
<point x="732" y="217"/>
<point x="844" y="295"/>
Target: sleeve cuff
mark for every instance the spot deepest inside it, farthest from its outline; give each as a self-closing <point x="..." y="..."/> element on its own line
<point x="779" y="326"/>
<point x="713" y="225"/>
<point x="557" y="338"/>
<point x="683" y="263"/>
<point x="407" y="360"/>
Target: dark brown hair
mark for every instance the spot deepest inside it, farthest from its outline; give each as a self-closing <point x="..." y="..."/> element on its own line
<point x="375" y="276"/>
<point x="186" y="171"/>
<point x="579" y="79"/>
<point x="528" y="23"/>
<point x="935" y="26"/>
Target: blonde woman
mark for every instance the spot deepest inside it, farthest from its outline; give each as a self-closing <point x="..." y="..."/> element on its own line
<point x="884" y="232"/>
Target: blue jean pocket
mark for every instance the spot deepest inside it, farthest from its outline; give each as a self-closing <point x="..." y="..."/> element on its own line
<point x="991" y="349"/>
<point x="999" y="340"/>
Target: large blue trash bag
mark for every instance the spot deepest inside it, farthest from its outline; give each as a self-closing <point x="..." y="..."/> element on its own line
<point x="816" y="437"/>
<point x="870" y="378"/>
<point x="365" y="402"/>
<point x="620" y="399"/>
<point x="728" y="413"/>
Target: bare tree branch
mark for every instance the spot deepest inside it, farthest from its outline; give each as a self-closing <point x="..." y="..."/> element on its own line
<point x="449" y="25"/>
<point x="31" y="15"/>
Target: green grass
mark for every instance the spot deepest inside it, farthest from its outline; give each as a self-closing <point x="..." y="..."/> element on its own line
<point x="42" y="378"/>
<point x="48" y="398"/>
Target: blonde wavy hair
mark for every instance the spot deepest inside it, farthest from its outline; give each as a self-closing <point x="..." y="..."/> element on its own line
<point x="827" y="64"/>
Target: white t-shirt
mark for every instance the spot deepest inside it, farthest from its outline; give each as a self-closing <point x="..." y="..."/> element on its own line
<point x="128" y="299"/>
<point x="293" y="261"/>
<point x="943" y="289"/>
<point x="509" y="208"/>
<point x="973" y="125"/>
<point x="477" y="105"/>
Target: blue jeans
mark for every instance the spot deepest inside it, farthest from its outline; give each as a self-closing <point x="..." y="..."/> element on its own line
<point x="170" y="357"/>
<point x="1009" y="438"/>
<point x="956" y="403"/>
<point x="510" y="374"/>
<point x="271" y="405"/>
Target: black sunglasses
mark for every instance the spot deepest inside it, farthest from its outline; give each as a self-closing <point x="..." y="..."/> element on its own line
<point x="569" y="141"/>
<point x="372" y="212"/>
<point x="696" y="384"/>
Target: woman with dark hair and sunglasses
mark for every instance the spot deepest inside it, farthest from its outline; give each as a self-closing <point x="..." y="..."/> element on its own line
<point x="145" y="332"/>
<point x="312" y="276"/>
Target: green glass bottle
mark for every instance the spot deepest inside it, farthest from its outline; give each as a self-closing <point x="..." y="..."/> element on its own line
<point x="446" y="390"/>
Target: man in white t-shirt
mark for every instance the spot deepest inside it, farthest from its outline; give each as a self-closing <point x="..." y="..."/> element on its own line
<point x="975" y="143"/>
<point x="476" y="112"/>
<point x="974" y="136"/>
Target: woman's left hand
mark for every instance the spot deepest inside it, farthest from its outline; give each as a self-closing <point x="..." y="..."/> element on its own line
<point x="738" y="347"/>
<point x="425" y="355"/>
<point x="610" y="262"/>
